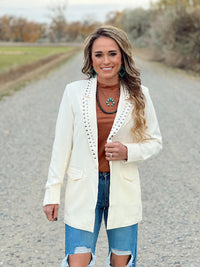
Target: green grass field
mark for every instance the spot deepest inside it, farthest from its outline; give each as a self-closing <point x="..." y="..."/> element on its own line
<point x="14" y="56"/>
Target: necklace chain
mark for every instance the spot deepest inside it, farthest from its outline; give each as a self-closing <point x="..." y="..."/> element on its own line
<point x="106" y="112"/>
<point x="110" y="99"/>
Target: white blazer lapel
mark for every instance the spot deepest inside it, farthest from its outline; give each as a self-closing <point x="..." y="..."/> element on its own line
<point x="124" y="107"/>
<point x="89" y="116"/>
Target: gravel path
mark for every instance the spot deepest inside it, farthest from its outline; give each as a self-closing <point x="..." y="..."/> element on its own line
<point x="169" y="233"/>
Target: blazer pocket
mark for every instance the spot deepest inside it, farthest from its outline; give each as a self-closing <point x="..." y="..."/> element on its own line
<point x="130" y="173"/>
<point x="130" y="178"/>
<point x="75" y="174"/>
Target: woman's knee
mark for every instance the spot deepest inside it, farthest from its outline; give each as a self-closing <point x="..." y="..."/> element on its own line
<point x="119" y="260"/>
<point x="80" y="259"/>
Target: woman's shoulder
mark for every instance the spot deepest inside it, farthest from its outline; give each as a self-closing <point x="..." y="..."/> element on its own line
<point x="78" y="85"/>
<point x="145" y="89"/>
<point x="75" y="88"/>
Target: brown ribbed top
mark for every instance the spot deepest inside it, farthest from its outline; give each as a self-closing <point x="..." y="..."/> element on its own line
<point x="105" y="121"/>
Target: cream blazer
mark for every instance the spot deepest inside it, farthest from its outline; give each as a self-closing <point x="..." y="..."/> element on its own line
<point x="75" y="152"/>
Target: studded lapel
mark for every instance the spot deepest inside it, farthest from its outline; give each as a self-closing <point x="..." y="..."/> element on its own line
<point x="123" y="109"/>
<point x="90" y="118"/>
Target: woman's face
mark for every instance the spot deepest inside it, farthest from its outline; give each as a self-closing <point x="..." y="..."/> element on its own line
<point x="106" y="59"/>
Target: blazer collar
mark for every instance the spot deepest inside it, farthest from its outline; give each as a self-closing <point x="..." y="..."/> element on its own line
<point x="91" y="87"/>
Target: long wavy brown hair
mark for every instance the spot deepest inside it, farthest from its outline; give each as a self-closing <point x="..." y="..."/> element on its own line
<point x="131" y="79"/>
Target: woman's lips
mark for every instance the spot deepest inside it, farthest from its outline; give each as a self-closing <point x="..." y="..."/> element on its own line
<point x="107" y="68"/>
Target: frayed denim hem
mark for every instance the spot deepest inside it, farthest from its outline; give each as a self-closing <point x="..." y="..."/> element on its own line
<point x="66" y="264"/>
<point x="131" y="263"/>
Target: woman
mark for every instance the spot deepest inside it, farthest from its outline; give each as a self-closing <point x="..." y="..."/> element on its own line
<point x="106" y="124"/>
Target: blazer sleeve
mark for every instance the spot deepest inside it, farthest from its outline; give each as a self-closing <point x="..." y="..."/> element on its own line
<point x="143" y="151"/>
<point x="61" y="150"/>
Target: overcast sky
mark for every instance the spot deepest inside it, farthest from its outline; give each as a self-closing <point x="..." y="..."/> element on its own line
<point x="76" y="9"/>
<point x="43" y="3"/>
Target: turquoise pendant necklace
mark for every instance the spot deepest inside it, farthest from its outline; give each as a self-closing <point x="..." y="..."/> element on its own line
<point x="106" y="112"/>
<point x="109" y="101"/>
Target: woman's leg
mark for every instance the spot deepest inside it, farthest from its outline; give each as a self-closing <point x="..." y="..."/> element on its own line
<point x="122" y="247"/>
<point x="79" y="244"/>
<point x="84" y="243"/>
<point x="79" y="251"/>
<point x="80" y="259"/>
<point x="119" y="260"/>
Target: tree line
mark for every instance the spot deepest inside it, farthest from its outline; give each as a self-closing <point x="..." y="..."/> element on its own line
<point x="18" y="29"/>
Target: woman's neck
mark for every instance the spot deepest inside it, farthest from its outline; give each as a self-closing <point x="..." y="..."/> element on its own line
<point x="108" y="82"/>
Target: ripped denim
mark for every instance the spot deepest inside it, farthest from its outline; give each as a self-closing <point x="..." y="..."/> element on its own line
<point x="79" y="250"/>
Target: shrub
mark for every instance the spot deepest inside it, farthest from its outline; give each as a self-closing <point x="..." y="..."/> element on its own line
<point x="136" y="23"/>
<point x="175" y="38"/>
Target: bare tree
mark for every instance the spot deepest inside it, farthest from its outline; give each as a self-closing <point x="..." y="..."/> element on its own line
<point x="58" y="22"/>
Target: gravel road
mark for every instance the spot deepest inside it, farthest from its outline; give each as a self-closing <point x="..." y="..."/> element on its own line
<point x="169" y="234"/>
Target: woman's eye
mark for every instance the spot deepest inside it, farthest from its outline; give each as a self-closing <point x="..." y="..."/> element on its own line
<point x="98" y="55"/>
<point x="113" y="54"/>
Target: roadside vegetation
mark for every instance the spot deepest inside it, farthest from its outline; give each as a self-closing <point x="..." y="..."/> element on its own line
<point x="22" y="64"/>
<point x="170" y="31"/>
<point x="15" y="56"/>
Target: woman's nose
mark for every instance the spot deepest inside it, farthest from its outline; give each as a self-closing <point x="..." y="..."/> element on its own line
<point x="106" y="60"/>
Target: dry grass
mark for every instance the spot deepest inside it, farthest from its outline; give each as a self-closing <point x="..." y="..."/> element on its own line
<point x="15" y="78"/>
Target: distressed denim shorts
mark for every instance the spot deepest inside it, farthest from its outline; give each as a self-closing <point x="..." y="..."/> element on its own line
<point x="122" y="241"/>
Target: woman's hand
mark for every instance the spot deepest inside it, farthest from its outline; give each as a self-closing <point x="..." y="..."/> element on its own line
<point x="116" y="151"/>
<point x="51" y="211"/>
